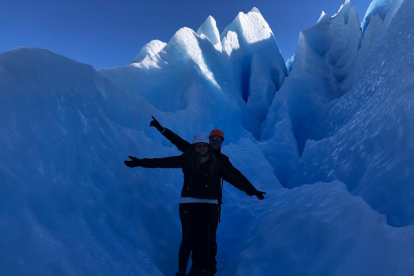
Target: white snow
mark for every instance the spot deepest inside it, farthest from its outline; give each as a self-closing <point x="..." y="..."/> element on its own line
<point x="231" y="42"/>
<point x="344" y="6"/>
<point x="209" y="29"/>
<point x="323" y="14"/>
<point x="251" y="26"/>
<point x="289" y="63"/>
<point x="149" y="50"/>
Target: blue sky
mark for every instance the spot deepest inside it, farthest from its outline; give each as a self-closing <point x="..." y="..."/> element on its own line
<point x="109" y="33"/>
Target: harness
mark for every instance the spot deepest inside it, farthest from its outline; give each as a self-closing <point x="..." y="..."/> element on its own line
<point x="220" y="201"/>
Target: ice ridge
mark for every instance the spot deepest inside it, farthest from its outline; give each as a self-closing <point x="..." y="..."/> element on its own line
<point x="149" y="50"/>
<point x="209" y="29"/>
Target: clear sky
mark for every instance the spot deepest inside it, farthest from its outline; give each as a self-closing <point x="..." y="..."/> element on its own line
<point x="109" y="33"/>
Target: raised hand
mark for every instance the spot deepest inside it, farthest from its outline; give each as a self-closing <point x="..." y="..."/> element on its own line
<point x="156" y="124"/>
<point x="135" y="162"/>
<point x="260" y="195"/>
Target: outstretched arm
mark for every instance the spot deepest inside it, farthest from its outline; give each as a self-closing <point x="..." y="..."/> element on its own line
<point x="249" y="186"/>
<point x="181" y="144"/>
<point x="166" y="162"/>
<point x="233" y="180"/>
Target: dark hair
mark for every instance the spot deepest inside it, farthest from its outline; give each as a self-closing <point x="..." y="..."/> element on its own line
<point x="192" y="156"/>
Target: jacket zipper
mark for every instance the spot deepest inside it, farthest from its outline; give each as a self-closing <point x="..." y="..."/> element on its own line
<point x="191" y="180"/>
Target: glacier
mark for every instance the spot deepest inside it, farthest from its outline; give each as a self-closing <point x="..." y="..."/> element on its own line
<point x="366" y="129"/>
<point x="328" y="137"/>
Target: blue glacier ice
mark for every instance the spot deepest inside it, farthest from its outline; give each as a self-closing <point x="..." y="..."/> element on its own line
<point x="328" y="138"/>
<point x="289" y="63"/>
<point x="364" y="138"/>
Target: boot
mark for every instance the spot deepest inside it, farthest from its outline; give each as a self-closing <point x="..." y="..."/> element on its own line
<point x="193" y="271"/>
<point x="202" y="273"/>
<point x="209" y="273"/>
<point x="181" y="273"/>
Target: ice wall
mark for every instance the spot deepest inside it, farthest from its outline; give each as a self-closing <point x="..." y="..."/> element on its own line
<point x="257" y="64"/>
<point x="368" y="130"/>
<point x="188" y="76"/>
<point x="69" y="205"/>
<point x="323" y="59"/>
<point x="344" y="111"/>
<point x="244" y="69"/>
<point x="318" y="229"/>
<point x="385" y="9"/>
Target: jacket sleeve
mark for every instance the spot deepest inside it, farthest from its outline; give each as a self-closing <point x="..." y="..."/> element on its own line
<point x="229" y="166"/>
<point x="166" y="162"/>
<point x="181" y="144"/>
<point x="233" y="180"/>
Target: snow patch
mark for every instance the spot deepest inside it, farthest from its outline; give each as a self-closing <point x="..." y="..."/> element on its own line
<point x="149" y="50"/>
<point x="209" y="29"/>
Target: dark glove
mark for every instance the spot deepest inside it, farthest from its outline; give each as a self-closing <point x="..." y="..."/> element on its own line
<point x="134" y="163"/>
<point x="156" y="124"/>
<point x="260" y="195"/>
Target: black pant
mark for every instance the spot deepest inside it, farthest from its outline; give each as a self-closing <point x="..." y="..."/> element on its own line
<point x="212" y="262"/>
<point x="198" y="228"/>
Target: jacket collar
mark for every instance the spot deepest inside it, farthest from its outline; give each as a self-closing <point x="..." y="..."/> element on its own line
<point x="217" y="152"/>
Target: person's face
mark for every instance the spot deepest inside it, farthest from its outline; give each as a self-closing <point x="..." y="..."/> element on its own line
<point x="215" y="142"/>
<point x="201" y="148"/>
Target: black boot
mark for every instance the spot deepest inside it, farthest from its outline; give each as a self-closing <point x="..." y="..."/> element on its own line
<point x="181" y="273"/>
<point x="193" y="272"/>
<point x="204" y="273"/>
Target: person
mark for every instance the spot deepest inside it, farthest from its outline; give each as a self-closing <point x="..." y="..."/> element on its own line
<point x="216" y="139"/>
<point x="198" y="206"/>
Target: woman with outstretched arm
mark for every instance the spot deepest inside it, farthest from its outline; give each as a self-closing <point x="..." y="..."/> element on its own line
<point x="199" y="196"/>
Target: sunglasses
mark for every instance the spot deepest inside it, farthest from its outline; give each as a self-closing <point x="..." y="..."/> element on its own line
<point x="216" y="139"/>
<point x="201" y="146"/>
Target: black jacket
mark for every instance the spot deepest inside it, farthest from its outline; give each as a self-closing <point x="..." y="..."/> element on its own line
<point x="198" y="183"/>
<point x="183" y="145"/>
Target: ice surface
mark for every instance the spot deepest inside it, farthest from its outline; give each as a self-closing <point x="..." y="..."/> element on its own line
<point x="149" y="50"/>
<point x="385" y="9"/>
<point x="323" y="14"/>
<point x="183" y="66"/>
<point x="289" y="63"/>
<point x="209" y="29"/>
<point x="374" y="4"/>
<point x="252" y="25"/>
<point x="69" y="205"/>
<point x="250" y="69"/>
<point x="231" y="42"/>
<point x="256" y="63"/>
<point x="344" y="6"/>
<point x="323" y="59"/>
<point x="364" y="138"/>
<point x="314" y="230"/>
